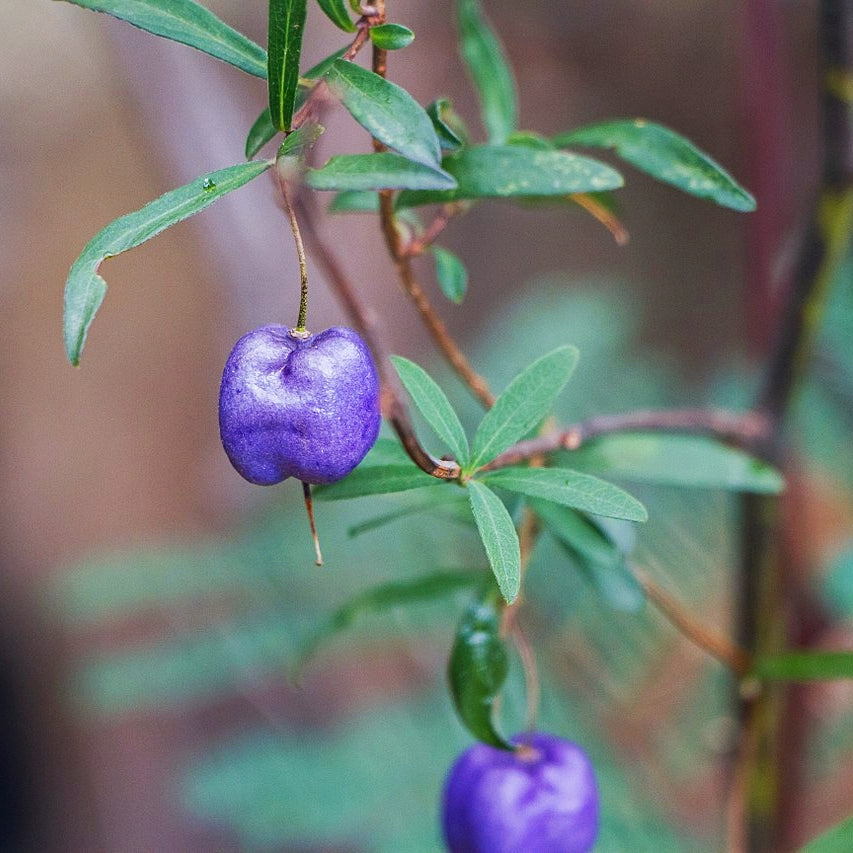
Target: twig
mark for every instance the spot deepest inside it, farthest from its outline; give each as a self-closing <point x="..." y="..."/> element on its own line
<point x="735" y="658"/>
<point x="434" y="229"/>
<point x="433" y="322"/>
<point x="745" y="428"/>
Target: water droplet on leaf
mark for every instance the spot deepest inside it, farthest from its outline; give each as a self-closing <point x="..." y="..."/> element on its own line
<point x="207" y="185"/>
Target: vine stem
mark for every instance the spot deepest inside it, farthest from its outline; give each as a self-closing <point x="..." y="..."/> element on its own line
<point x="744" y="428"/>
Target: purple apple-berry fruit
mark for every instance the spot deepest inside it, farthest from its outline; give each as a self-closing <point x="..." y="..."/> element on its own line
<point x="540" y="798"/>
<point x="298" y="405"/>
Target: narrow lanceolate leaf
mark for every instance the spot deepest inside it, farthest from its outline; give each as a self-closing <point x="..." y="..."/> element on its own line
<point x="286" y="27"/>
<point x="451" y="274"/>
<point x="263" y="130"/>
<point x="477" y="671"/>
<point x="489" y="71"/>
<point x="665" y="155"/>
<point x="570" y="488"/>
<point x="336" y="12"/>
<point x="434" y="406"/>
<point x="499" y="538"/>
<point x="598" y="558"/>
<point x="377" y="480"/>
<point x="524" y="403"/>
<point x="449" y="127"/>
<point x="678" y="460"/>
<point x="391" y="36"/>
<point x="390" y="596"/>
<point x="805" y="666"/>
<point x="837" y="839"/>
<point x="518" y="171"/>
<point x="85" y="289"/>
<point x="376" y="172"/>
<point x="386" y="111"/>
<point x="189" y="23"/>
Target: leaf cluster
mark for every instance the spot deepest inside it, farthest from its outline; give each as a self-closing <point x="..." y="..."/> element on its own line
<point x="429" y="157"/>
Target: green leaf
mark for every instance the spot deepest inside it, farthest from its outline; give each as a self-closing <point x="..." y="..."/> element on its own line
<point x="391" y="36"/>
<point x="477" y="671"/>
<point x="189" y="23"/>
<point x="518" y="171"/>
<point x="376" y="172"/>
<point x="286" y="27"/>
<point x="389" y="596"/>
<point x="678" y="460"/>
<point x="434" y="406"/>
<point x="601" y="561"/>
<point x="388" y="112"/>
<point x="525" y="402"/>
<point x="489" y="71"/>
<point x="837" y="839"/>
<point x="805" y="666"/>
<point x="263" y="130"/>
<point x="336" y="12"/>
<point x="298" y="140"/>
<point x="499" y="538"/>
<point x="451" y="274"/>
<point x="449" y="127"/>
<point x="665" y="155"/>
<point x="85" y="289"/>
<point x="377" y="480"/>
<point x="354" y="201"/>
<point x="570" y="488"/>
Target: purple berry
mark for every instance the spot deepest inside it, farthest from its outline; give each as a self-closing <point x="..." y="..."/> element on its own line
<point x="541" y="798"/>
<point x="304" y="407"/>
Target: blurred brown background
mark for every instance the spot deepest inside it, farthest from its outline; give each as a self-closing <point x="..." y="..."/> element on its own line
<point x="98" y="118"/>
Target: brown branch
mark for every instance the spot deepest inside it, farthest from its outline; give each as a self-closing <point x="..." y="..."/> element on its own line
<point x="743" y="428"/>
<point x="433" y="230"/>
<point x="406" y="274"/>
<point x="735" y="658"/>
<point x="366" y="321"/>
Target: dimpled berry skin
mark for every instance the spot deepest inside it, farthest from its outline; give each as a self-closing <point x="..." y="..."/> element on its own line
<point x="298" y="407"/>
<point x="542" y="799"/>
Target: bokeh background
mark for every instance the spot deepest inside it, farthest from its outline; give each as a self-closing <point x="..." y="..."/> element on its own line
<point x="151" y="602"/>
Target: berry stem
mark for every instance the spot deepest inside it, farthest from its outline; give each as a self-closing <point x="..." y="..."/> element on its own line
<point x="300" y="252"/>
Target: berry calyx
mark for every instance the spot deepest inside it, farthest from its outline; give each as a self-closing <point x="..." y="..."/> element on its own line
<point x="539" y="798"/>
<point x="293" y="404"/>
